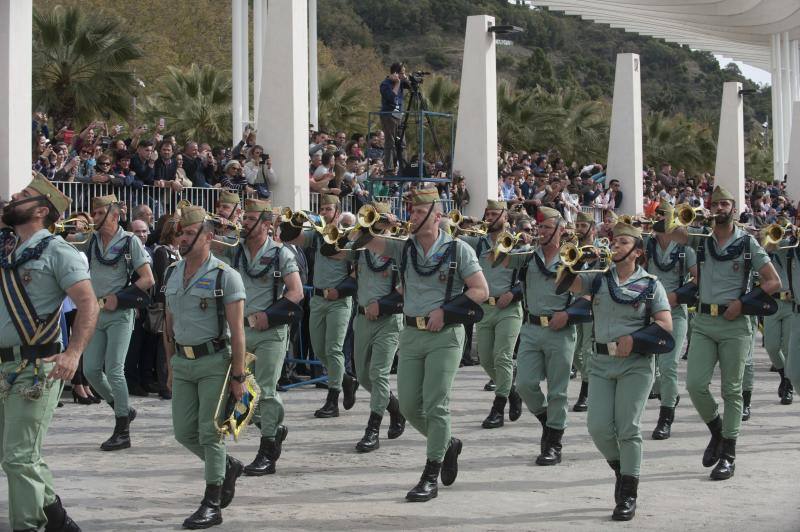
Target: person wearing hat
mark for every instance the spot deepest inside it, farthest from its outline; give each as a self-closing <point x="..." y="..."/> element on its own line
<point x="38" y="271"/>
<point x="586" y="232"/>
<point x="434" y="270"/>
<point x="114" y="256"/>
<point x="331" y="307"/>
<point x="376" y="333"/>
<point x="227" y="206"/>
<point x="270" y="275"/>
<point x="234" y="179"/>
<point x="792" y="366"/>
<point x="630" y="306"/>
<point x="673" y="263"/>
<point x="547" y="340"/>
<point x="502" y="318"/>
<point x="721" y="333"/>
<point x="203" y="338"/>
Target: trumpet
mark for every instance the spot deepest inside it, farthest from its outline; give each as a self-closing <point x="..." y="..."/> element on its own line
<point x="224" y="224"/>
<point x="333" y="234"/>
<point x="299" y="218"/>
<point x="571" y="255"/>
<point x="505" y="243"/>
<point x="368" y="216"/>
<point x="400" y="232"/>
<point x="78" y="223"/>
<point x="775" y="233"/>
<point x="625" y="219"/>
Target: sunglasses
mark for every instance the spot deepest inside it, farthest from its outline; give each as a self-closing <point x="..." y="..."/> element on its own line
<point x="86" y="152"/>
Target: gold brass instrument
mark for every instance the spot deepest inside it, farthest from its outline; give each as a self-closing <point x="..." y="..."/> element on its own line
<point x="232" y="416"/>
<point x="224" y="224"/>
<point x="78" y="223"/>
<point x="505" y="243"/>
<point x="298" y="219"/>
<point x="400" y="232"/>
<point x="456" y="219"/>
<point x="625" y="219"/>
<point x="685" y="214"/>
<point x="368" y="216"/>
<point x="603" y="242"/>
<point x="572" y="254"/>
<point x="775" y="233"/>
<point x="331" y="234"/>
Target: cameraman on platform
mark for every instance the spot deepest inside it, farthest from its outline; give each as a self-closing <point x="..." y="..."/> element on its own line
<point x="392" y="113"/>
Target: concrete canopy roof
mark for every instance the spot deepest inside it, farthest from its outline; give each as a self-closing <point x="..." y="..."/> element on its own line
<point x="739" y="29"/>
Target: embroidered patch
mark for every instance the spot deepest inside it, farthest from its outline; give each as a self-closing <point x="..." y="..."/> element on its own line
<point x="436" y="257"/>
<point x="265" y="260"/>
<point x="204" y="283"/>
<point x="116" y="248"/>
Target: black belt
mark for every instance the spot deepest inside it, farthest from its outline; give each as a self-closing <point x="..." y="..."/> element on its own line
<point x="417" y="322"/>
<point x="712" y="309"/>
<point x="542" y="321"/>
<point x="602" y="349"/>
<point x="29" y="352"/>
<point x="196" y="351"/>
<point x="322" y="292"/>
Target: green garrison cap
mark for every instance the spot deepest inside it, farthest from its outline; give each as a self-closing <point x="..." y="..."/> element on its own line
<point x="56" y="198"/>
<point x="623" y="229"/>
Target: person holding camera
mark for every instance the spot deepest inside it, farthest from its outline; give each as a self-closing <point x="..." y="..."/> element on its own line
<point x="392" y="113"/>
<point x="258" y="171"/>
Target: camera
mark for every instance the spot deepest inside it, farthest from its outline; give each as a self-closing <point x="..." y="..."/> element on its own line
<point x="416" y="79"/>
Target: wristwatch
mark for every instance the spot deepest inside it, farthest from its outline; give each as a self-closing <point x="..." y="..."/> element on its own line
<point x="238" y="378"/>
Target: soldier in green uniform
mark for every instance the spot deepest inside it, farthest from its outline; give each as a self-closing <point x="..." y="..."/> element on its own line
<point x="203" y="337"/>
<point x="114" y="255"/>
<point x="38" y="271"/>
<point x="376" y="333"/>
<point x="331" y="307"/>
<point x="502" y="318"/>
<point x="434" y="269"/>
<point x="270" y="273"/>
<point x="626" y="302"/>
<point x="792" y="367"/>
<point x="228" y="207"/>
<point x="673" y="264"/>
<point x="547" y="341"/>
<point x="720" y="332"/>
<point x="586" y="231"/>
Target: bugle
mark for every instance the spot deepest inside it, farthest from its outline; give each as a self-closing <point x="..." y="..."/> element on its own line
<point x="224" y="224"/>
<point x="78" y="223"/>
<point x="572" y="255"/>
<point x="298" y="219"/>
<point x="775" y="233"/>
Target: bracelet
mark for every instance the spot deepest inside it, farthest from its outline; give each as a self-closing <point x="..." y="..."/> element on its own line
<point x="238" y="378"/>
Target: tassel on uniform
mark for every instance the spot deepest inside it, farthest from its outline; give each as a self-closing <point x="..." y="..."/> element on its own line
<point x="8" y="380"/>
<point x="34" y="391"/>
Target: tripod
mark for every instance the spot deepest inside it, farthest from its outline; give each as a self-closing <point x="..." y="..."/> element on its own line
<point x="416" y="106"/>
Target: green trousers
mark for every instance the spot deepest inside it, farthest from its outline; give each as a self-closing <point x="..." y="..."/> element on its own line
<point x="23" y="425"/>
<point x="196" y="387"/>
<point x="666" y="381"/>
<point x="619" y="388"/>
<point x="749" y="375"/>
<point x="426" y="369"/>
<point x="104" y="358"/>
<point x="777" y="329"/>
<point x="583" y="349"/>
<point x="717" y="340"/>
<point x="497" y="335"/>
<point x="374" y="346"/>
<point x="545" y="355"/>
<point x="327" y="325"/>
<point x="269" y="347"/>
<point x="792" y="370"/>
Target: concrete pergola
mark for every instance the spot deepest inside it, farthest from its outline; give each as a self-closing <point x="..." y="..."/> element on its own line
<point x="760" y="33"/>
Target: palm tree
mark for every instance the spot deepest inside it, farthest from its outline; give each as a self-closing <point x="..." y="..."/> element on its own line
<point x="341" y="107"/>
<point x="81" y="66"/>
<point x="196" y="103"/>
<point x="682" y="143"/>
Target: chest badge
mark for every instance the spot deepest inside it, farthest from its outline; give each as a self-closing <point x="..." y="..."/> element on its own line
<point x="736" y="266"/>
<point x="203" y="304"/>
<point x="26" y="277"/>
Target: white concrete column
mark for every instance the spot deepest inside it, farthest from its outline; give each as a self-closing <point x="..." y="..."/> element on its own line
<point x="283" y="108"/>
<point x="786" y="89"/>
<point x="793" y="181"/>
<point x="777" y="109"/>
<point x="476" y="129"/>
<point x="16" y="43"/>
<point x="794" y="55"/>
<point x="625" y="140"/>
<point x="259" y="17"/>
<point x="313" y="82"/>
<point x="244" y="37"/>
<point x="237" y="68"/>
<point x="730" y="143"/>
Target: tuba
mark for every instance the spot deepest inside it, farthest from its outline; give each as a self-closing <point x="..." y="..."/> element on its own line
<point x="232" y="416"/>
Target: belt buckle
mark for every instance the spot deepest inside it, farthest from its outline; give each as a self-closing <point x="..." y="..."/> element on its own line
<point x="714" y="309"/>
<point x="188" y="352"/>
<point x="421" y="323"/>
<point x="325" y="292"/>
<point x="101" y="302"/>
<point x="612" y="348"/>
<point x="492" y="302"/>
<point x="544" y="321"/>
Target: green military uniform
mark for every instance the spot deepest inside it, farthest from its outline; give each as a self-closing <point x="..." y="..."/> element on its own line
<point x="583" y="339"/>
<point x="47" y="267"/>
<point x="778" y="326"/>
<point x="228" y="235"/>
<point x="721" y="272"/>
<point x="111" y="267"/>
<point x="499" y="329"/>
<point x="544" y="354"/>
<point x="198" y="381"/>
<point x="792" y="368"/>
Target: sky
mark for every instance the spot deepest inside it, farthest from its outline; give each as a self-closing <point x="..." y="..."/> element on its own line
<point x="762" y="77"/>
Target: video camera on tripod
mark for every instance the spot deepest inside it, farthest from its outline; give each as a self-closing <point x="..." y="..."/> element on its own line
<point x="416" y="79"/>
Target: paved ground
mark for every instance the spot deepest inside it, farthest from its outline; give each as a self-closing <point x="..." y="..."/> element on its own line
<point x="322" y="484"/>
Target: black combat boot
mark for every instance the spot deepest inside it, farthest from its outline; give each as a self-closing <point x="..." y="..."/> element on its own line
<point x="268" y="453"/>
<point x="746" y="405"/>
<point x="551" y="455"/>
<point x="371" y="439"/>
<point x="788" y="393"/>
<point x="489" y="386"/>
<point x="397" y="422"/>
<point x="57" y="518"/>
<point x="331" y="406"/>
<point x="349" y="387"/>
<point x="428" y="486"/>
<point x="514" y="404"/>
<point x="782" y="384"/>
<point x="628" y="491"/>
<point x="664" y="426"/>
<point x="209" y="514"/>
<point x="495" y="418"/>
<point x="121" y="438"/>
<point x="725" y="466"/>
<point x="618" y="483"/>
<point x="450" y="462"/>
<point x="543" y="420"/>
<point x="233" y="470"/>
<point x="711" y="454"/>
<point x="580" y="404"/>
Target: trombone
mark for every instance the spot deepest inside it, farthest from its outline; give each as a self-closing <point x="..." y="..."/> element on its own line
<point x="775" y="233"/>
<point x="224" y="224"/>
<point x="78" y="223"/>
<point x="571" y="255"/>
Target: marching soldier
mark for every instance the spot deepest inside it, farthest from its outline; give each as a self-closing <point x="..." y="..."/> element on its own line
<point x="38" y="271"/>
<point x="672" y="263"/>
<point x="721" y="332"/>
<point x="228" y="207"/>
<point x="331" y="307"/>
<point x="203" y="337"/>
<point x="630" y="307"/>
<point x="502" y="318"/>
<point x="778" y="326"/>
<point x="272" y="282"/>
<point x="434" y="269"/>
<point x="586" y="231"/>
<point x="547" y="340"/>
<point x="114" y="255"/>
<point x="792" y="368"/>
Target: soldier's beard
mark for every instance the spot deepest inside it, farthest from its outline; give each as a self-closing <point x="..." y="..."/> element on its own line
<point x="723" y="218"/>
<point x="13" y="217"/>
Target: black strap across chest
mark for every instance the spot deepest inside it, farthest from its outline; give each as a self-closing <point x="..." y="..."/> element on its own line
<point x="274" y="266"/>
<point x="409" y="249"/>
<point x="647" y="295"/>
<point x="219" y="301"/>
<point x="544" y="271"/>
<point x="738" y="248"/>
<point x="378" y="269"/>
